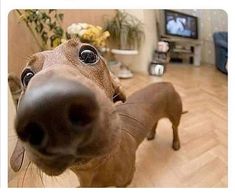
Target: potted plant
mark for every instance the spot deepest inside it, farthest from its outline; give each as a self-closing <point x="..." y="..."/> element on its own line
<point x="126" y="36"/>
<point x="126" y="31"/>
<point x="44" y="25"/>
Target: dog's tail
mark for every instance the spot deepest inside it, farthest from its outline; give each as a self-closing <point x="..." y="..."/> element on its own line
<point x="184" y="112"/>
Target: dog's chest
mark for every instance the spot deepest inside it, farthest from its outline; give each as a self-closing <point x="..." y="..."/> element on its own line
<point x="117" y="170"/>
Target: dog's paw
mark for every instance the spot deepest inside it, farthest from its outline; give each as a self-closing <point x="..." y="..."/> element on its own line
<point x="176" y="145"/>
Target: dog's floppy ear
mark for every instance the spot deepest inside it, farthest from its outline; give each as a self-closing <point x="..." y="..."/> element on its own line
<point x="17" y="156"/>
<point x="119" y="94"/>
<point x="15" y="87"/>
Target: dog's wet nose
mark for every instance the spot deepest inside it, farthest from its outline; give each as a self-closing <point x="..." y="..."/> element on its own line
<point x="53" y="109"/>
<point x="34" y="134"/>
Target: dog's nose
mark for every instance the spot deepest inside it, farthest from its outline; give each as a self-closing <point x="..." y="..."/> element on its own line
<point x="55" y="109"/>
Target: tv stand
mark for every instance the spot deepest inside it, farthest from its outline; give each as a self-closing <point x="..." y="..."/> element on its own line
<point x="182" y="49"/>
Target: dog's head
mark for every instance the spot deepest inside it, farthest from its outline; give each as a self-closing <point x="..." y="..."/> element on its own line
<point x="65" y="114"/>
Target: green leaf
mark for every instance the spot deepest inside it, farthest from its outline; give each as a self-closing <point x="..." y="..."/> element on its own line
<point x="68" y="36"/>
<point x="45" y="26"/>
<point x="51" y="10"/>
<point x="52" y="25"/>
<point x="44" y="37"/>
<point x="39" y="27"/>
<point x="61" y="16"/>
<point x="58" y="31"/>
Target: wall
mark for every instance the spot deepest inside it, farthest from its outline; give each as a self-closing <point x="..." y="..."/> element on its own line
<point x="148" y="17"/>
<point x="209" y="21"/>
<point x="21" y="44"/>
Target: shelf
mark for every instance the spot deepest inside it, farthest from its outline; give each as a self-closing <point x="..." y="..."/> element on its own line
<point x="182" y="51"/>
<point x="183" y="41"/>
<point x="185" y="49"/>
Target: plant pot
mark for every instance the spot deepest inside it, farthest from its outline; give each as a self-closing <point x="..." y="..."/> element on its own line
<point x="125" y="57"/>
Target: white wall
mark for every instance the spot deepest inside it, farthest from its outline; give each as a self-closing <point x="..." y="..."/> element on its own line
<point x="142" y="60"/>
<point x="210" y="21"/>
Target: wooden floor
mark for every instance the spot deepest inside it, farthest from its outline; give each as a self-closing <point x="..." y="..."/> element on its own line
<point x="202" y="159"/>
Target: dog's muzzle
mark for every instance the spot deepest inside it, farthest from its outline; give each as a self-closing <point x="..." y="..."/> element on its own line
<point x="50" y="114"/>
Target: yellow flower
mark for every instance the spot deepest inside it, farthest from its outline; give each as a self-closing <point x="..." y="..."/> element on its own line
<point x="63" y="40"/>
<point x="99" y="28"/>
<point x="106" y="34"/>
<point x="94" y="35"/>
<point x="56" y="42"/>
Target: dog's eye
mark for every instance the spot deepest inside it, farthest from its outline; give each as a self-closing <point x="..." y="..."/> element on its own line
<point x="26" y="76"/>
<point x="88" y="54"/>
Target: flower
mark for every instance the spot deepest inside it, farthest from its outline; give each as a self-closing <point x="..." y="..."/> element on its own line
<point x="74" y="29"/>
<point x="63" y="40"/>
<point x="81" y="32"/>
<point x="83" y="25"/>
<point x="89" y="33"/>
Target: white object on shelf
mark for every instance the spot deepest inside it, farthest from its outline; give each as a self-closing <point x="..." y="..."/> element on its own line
<point x="162" y="46"/>
<point x="124" y="52"/>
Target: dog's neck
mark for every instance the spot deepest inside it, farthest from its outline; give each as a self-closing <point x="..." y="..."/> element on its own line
<point x="124" y="131"/>
<point x="95" y="162"/>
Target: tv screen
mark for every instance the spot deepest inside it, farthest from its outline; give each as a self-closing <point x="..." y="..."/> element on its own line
<point x="180" y="24"/>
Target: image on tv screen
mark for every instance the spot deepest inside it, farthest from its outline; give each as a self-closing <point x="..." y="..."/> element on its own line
<point x="181" y="25"/>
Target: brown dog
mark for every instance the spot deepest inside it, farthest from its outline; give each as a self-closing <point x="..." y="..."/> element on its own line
<point x="66" y="118"/>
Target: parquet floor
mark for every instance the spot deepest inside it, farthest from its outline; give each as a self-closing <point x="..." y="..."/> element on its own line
<point x="202" y="159"/>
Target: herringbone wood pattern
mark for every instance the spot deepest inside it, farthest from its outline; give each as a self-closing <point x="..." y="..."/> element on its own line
<point x="202" y="159"/>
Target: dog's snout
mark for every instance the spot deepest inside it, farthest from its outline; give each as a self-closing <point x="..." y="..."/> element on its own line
<point x="82" y="114"/>
<point x="34" y="134"/>
<point x="51" y="112"/>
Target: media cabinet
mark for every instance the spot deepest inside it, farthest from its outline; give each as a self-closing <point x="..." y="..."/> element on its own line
<point x="184" y="50"/>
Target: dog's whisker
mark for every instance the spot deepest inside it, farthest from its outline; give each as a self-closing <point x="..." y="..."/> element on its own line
<point x="40" y="173"/>
<point x="26" y="170"/>
<point x="56" y="180"/>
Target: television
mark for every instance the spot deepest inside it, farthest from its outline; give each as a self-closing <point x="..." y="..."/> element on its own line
<point x="180" y="24"/>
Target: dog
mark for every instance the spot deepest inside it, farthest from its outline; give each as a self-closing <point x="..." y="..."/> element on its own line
<point x="67" y="119"/>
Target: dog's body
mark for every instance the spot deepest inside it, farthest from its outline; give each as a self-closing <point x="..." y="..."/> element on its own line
<point x="65" y="117"/>
<point x="138" y="119"/>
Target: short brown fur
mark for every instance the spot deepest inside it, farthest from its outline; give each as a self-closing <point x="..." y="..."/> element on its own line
<point x="107" y="156"/>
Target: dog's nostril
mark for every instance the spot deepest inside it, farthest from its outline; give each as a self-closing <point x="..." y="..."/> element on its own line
<point x="35" y="134"/>
<point x="77" y="116"/>
<point x="81" y="115"/>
